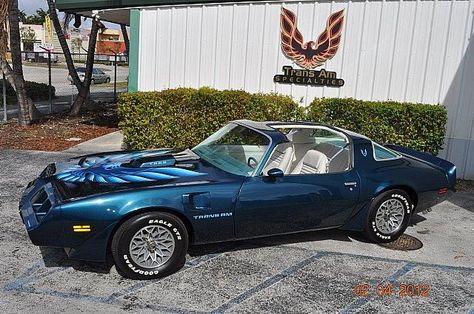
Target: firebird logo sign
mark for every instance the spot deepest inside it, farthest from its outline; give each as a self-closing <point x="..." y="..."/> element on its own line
<point x="310" y="54"/>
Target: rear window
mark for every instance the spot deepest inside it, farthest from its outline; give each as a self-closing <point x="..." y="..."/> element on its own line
<point x="81" y="69"/>
<point x="382" y="153"/>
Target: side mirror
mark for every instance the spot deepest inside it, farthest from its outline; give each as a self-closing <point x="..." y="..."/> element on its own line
<point x="275" y="173"/>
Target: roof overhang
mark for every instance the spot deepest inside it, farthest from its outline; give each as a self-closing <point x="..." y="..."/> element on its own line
<point x="118" y="11"/>
<point x="89" y="5"/>
<point x="119" y="16"/>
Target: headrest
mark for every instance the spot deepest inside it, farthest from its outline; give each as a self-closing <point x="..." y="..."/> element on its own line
<point x="302" y="136"/>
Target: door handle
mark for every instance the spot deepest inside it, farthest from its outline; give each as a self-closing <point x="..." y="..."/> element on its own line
<point x="350" y="183"/>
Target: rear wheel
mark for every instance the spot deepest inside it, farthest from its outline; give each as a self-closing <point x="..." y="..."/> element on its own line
<point x="107" y="80"/>
<point x="389" y="216"/>
<point x="150" y="245"/>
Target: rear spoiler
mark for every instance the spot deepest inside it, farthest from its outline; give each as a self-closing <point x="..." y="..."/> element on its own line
<point x="444" y="165"/>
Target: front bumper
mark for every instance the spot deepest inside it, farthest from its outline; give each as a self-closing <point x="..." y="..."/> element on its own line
<point x="40" y="213"/>
<point x="48" y="225"/>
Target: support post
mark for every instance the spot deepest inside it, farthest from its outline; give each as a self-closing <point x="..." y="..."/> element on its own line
<point x="115" y="77"/>
<point x="50" y="96"/>
<point x="4" y="90"/>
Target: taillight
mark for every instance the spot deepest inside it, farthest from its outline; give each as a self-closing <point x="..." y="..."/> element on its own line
<point x="442" y="190"/>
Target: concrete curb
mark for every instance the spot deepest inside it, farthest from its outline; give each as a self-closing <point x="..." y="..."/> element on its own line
<point x="106" y="143"/>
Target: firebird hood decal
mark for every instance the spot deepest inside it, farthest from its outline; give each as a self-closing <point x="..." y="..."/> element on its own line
<point x="142" y="166"/>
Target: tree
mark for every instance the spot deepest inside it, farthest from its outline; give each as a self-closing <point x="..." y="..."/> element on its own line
<point x="125" y="39"/>
<point x="37" y="19"/>
<point x="76" y="44"/>
<point x="82" y="87"/>
<point x="28" y="37"/>
<point x="22" y="15"/>
<point x="14" y="75"/>
<point x="85" y="90"/>
<point x="64" y="46"/>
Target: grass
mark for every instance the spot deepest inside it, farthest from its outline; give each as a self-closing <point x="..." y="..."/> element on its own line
<point x="121" y="85"/>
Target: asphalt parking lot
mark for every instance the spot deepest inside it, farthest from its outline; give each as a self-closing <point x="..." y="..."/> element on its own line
<point x="306" y="273"/>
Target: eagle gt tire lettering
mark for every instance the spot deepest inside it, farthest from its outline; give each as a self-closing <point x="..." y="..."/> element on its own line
<point x="403" y="207"/>
<point x="139" y="240"/>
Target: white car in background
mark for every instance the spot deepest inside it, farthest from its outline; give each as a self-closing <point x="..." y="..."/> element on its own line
<point x="98" y="76"/>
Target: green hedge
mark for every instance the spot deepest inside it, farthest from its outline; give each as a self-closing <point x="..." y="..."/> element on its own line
<point x="183" y="117"/>
<point x="417" y="126"/>
<point x="36" y="91"/>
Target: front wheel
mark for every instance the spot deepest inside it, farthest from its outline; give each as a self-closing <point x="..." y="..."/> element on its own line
<point x="389" y="216"/>
<point x="150" y="245"/>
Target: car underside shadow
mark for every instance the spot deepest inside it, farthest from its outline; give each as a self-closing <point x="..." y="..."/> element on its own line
<point x="416" y="219"/>
<point x="312" y="236"/>
<point x="56" y="257"/>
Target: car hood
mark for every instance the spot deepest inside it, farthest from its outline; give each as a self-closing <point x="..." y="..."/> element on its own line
<point x="106" y="172"/>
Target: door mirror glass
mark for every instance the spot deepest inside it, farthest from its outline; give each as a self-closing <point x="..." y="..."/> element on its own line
<point x="275" y="173"/>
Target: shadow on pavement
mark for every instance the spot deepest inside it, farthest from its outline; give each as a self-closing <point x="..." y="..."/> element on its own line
<point x="57" y="257"/>
<point x="334" y="234"/>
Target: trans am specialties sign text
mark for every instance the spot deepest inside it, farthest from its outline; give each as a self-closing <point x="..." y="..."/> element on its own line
<point x="308" y="77"/>
<point x="311" y="54"/>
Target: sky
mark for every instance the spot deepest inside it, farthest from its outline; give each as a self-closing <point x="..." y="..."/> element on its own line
<point x="30" y="7"/>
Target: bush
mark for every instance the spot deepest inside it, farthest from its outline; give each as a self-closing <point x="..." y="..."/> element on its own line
<point x="417" y="126"/>
<point x="184" y="117"/>
<point x="36" y="91"/>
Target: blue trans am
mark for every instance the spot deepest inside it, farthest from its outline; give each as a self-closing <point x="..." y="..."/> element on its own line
<point x="249" y="179"/>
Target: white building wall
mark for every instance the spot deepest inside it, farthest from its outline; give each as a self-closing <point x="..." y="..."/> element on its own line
<point x="413" y="51"/>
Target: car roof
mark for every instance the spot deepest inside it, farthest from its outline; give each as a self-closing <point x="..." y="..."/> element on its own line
<point x="271" y="128"/>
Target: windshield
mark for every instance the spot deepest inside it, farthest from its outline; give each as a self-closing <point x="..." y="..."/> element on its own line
<point x="234" y="148"/>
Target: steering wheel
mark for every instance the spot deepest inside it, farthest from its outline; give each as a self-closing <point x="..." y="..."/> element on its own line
<point x="252" y="162"/>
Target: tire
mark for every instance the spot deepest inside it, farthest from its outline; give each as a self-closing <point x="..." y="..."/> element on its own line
<point x="399" y="205"/>
<point x="107" y="80"/>
<point x="172" y="238"/>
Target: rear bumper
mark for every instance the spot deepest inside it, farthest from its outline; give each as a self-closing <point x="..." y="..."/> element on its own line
<point x="431" y="198"/>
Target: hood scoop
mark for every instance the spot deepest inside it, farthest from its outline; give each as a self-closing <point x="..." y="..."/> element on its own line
<point x="165" y="160"/>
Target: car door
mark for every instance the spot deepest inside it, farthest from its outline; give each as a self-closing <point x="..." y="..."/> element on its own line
<point x="319" y="190"/>
<point x="294" y="203"/>
<point x="103" y="77"/>
<point x="95" y="76"/>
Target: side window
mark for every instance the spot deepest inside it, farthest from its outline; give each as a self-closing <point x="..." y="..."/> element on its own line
<point x="310" y="151"/>
<point x="382" y="153"/>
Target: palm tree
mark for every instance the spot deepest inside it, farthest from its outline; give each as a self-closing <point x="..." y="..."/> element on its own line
<point x="84" y="92"/>
<point x="62" y="42"/>
<point x="125" y="38"/>
<point x="82" y="87"/>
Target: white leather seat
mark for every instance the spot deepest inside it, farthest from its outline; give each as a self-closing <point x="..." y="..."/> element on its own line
<point x="312" y="162"/>
<point x="281" y="158"/>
